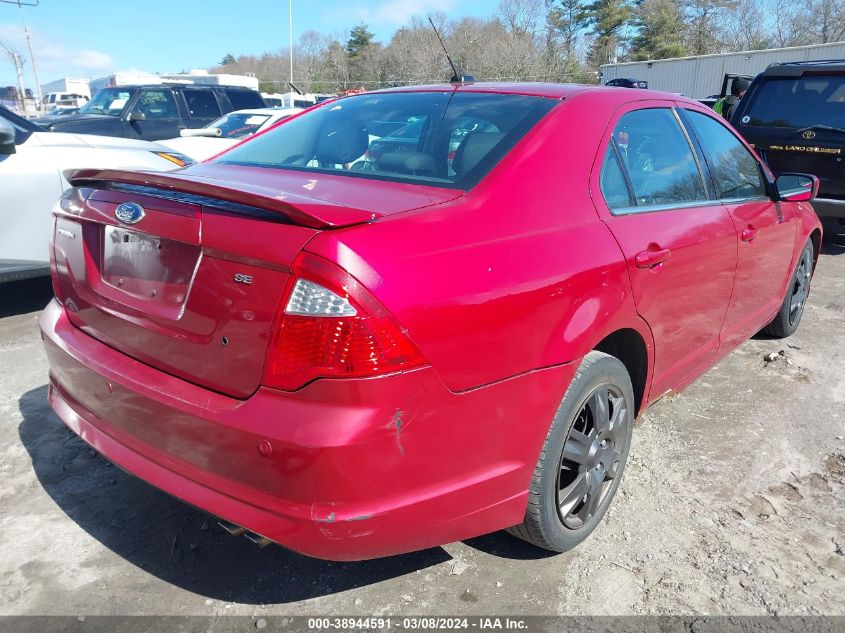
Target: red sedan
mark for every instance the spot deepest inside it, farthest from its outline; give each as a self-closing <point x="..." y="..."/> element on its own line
<point x="357" y="354"/>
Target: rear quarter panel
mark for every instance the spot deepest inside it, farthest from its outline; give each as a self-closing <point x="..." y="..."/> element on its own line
<point x="518" y="274"/>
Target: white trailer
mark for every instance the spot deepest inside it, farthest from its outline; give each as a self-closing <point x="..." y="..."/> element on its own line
<point x="701" y="76"/>
<point x="73" y="85"/>
<point x="194" y="77"/>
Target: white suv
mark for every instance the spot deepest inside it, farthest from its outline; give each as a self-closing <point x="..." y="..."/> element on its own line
<point x="31" y="181"/>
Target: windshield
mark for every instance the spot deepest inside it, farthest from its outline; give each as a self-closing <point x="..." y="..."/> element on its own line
<point x="447" y="139"/>
<point x="110" y="101"/>
<point x="239" y="124"/>
<point x="799" y="102"/>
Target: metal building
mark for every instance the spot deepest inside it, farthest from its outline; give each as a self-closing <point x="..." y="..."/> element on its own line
<point x="701" y="76"/>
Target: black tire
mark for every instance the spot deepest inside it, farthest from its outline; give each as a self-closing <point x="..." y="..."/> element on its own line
<point x="594" y="461"/>
<point x="789" y="316"/>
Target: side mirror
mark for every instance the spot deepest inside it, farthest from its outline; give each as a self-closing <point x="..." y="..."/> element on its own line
<point x="7" y="137"/>
<point x="137" y="116"/>
<point x="797" y="187"/>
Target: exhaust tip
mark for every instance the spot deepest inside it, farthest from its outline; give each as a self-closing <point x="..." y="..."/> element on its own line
<point x="261" y="541"/>
<point x="231" y="528"/>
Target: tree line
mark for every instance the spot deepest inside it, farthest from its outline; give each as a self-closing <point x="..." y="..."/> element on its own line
<point x="542" y="40"/>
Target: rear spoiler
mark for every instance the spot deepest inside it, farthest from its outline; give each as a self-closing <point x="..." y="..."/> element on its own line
<point x="296" y="208"/>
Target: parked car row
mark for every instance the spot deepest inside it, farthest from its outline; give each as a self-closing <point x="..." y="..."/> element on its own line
<point x="32" y="166"/>
<point x="156" y="112"/>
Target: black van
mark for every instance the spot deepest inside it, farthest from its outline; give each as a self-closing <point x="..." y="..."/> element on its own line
<point x="794" y="115"/>
<point x="155" y="112"/>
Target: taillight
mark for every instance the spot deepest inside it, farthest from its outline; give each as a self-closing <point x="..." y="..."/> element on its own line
<point x="70" y="203"/>
<point x="330" y="326"/>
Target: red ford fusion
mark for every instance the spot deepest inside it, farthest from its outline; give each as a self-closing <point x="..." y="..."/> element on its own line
<point x="414" y="316"/>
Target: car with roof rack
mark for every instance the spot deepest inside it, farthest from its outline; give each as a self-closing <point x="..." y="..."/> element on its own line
<point x="794" y="115"/>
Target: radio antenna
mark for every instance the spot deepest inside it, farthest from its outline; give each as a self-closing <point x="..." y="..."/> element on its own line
<point x="456" y="78"/>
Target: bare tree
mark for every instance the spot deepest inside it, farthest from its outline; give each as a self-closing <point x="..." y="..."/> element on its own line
<point x="787" y="28"/>
<point x="742" y="29"/>
<point x="825" y="19"/>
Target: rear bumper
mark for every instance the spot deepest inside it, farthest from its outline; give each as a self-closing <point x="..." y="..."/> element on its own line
<point x="355" y="469"/>
<point x="829" y="208"/>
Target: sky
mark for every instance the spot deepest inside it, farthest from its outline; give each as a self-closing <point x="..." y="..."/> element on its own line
<point x="93" y="38"/>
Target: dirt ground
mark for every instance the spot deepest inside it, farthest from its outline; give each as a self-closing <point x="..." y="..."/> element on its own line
<point x="733" y="502"/>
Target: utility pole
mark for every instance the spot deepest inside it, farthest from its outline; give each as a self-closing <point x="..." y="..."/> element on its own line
<point x="290" y="43"/>
<point x="16" y="60"/>
<point x="26" y="33"/>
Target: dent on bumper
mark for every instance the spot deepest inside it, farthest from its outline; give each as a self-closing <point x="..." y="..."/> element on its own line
<point x="341" y="469"/>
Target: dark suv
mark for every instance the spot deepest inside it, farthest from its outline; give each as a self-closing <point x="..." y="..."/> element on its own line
<point x="627" y="82"/>
<point x="794" y="115"/>
<point x="156" y="112"/>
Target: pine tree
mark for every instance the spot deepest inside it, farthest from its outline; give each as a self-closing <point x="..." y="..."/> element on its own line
<point x="660" y="25"/>
<point x="228" y="60"/>
<point x="360" y="39"/>
<point x="567" y="18"/>
<point x="607" y="17"/>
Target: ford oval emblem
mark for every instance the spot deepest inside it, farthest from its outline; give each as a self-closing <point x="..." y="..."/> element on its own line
<point x="129" y="212"/>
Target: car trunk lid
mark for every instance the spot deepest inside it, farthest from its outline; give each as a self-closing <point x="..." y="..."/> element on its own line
<point x="191" y="286"/>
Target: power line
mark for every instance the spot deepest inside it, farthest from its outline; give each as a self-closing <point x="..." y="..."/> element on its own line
<point x="21" y="4"/>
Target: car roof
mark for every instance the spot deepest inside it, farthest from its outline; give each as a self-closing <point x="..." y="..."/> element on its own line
<point x="796" y="69"/>
<point x="270" y="111"/>
<point x="548" y="90"/>
<point x="180" y="85"/>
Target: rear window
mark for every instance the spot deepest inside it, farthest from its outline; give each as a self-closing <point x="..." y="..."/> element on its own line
<point x="798" y="102"/>
<point x="445" y="139"/>
<point x="244" y="99"/>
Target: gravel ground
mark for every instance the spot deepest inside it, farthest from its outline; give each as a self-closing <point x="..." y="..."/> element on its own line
<point x="732" y="503"/>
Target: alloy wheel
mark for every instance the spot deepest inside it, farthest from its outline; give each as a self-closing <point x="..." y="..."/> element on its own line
<point x="800" y="287"/>
<point x="591" y="457"/>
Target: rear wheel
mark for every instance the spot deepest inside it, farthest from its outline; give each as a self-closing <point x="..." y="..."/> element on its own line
<point x="792" y="308"/>
<point x="583" y="457"/>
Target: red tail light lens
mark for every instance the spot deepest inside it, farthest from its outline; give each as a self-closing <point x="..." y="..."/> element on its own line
<point x="330" y="326"/>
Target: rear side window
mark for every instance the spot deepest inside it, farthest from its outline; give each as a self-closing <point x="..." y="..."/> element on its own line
<point x="613" y="185"/>
<point x="445" y="139"/>
<point x="735" y="171"/>
<point x="798" y="102"/>
<point x="660" y="163"/>
<point x="244" y="99"/>
<point x="202" y="104"/>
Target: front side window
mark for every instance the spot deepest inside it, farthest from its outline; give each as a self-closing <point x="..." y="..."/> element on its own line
<point x="109" y="101"/>
<point x="157" y="104"/>
<point x="660" y="163"/>
<point x="446" y="139"/>
<point x="735" y="171"/>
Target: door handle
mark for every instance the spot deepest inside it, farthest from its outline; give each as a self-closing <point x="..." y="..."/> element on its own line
<point x="651" y="258"/>
<point x="748" y="234"/>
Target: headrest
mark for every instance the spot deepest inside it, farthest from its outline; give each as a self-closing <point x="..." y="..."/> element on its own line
<point x="341" y="144"/>
<point x="411" y="163"/>
<point x="473" y="149"/>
